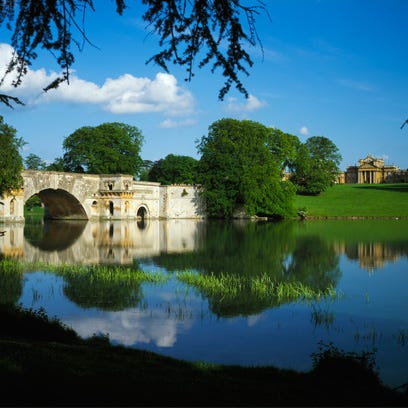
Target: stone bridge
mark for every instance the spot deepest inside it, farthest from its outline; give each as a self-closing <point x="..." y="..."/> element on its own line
<point x="78" y="196"/>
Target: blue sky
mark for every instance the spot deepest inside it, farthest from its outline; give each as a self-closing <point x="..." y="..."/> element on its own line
<point x="333" y="68"/>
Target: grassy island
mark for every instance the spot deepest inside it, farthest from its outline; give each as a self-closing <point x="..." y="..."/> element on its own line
<point x="357" y="201"/>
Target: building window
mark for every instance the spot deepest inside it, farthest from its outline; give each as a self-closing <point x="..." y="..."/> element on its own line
<point x="12" y="206"/>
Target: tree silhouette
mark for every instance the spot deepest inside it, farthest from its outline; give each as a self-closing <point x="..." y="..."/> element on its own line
<point x="185" y="29"/>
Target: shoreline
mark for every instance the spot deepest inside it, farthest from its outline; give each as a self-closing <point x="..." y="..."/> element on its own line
<point x="353" y="217"/>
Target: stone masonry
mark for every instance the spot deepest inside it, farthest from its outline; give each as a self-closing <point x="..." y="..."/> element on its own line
<point x="101" y="196"/>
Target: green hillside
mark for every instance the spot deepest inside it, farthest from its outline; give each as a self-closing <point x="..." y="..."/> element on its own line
<point x="357" y="200"/>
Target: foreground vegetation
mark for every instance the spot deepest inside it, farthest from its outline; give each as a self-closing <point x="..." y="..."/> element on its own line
<point x="357" y="200"/>
<point x="44" y="363"/>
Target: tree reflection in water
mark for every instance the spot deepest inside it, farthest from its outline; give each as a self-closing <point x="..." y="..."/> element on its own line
<point x="106" y="288"/>
<point x="249" y="251"/>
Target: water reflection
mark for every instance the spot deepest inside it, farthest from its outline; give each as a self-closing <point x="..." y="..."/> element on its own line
<point x="131" y="327"/>
<point x="106" y="290"/>
<point x="118" y="242"/>
<point x="53" y="236"/>
<point x="178" y="320"/>
<point x="285" y="248"/>
<point x="373" y="255"/>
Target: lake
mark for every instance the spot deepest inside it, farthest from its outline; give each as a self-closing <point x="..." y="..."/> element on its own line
<point x="364" y="261"/>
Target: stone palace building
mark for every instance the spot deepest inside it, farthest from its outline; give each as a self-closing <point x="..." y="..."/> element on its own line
<point x="373" y="170"/>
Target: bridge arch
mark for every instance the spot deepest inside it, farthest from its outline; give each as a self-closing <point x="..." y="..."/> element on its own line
<point x="60" y="204"/>
<point x="143" y="212"/>
<point x="64" y="195"/>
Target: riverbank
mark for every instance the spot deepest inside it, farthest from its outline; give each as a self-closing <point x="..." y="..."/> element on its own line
<point x="44" y="363"/>
<point x="356" y="201"/>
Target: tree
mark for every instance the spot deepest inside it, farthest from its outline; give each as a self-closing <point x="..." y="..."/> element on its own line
<point x="237" y="171"/>
<point x="316" y="165"/>
<point x="34" y="162"/>
<point x="174" y="169"/>
<point x="283" y="147"/>
<point x="11" y="162"/>
<point x="109" y="148"/>
<point x="145" y="169"/>
<point x="56" y="165"/>
<point x="184" y="29"/>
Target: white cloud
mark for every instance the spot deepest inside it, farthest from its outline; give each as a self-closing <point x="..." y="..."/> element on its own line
<point x="125" y="94"/>
<point x="170" y="123"/>
<point x="252" y="103"/>
<point x="357" y="85"/>
<point x="304" y="131"/>
<point x="254" y="319"/>
<point x="129" y="327"/>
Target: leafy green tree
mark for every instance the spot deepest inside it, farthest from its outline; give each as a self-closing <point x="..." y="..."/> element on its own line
<point x="33" y="201"/>
<point x="203" y="31"/>
<point x="109" y="148"/>
<point x="237" y="170"/>
<point x="316" y="165"/>
<point x="56" y="165"/>
<point x="174" y="169"/>
<point x="34" y="162"/>
<point x="145" y="169"/>
<point x="11" y="162"/>
<point x="283" y="147"/>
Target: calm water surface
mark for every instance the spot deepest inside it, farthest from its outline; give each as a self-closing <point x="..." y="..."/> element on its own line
<point x="366" y="261"/>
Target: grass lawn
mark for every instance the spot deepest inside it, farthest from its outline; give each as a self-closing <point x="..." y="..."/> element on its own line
<point x="357" y="200"/>
<point x="34" y="213"/>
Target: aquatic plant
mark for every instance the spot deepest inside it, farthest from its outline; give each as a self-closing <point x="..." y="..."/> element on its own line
<point x="105" y="287"/>
<point x="109" y="287"/>
<point x="11" y="285"/>
<point x="321" y="317"/>
<point x="226" y="286"/>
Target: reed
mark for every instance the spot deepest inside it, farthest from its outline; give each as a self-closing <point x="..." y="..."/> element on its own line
<point x="112" y="273"/>
<point x="108" y="273"/>
<point x="263" y="286"/>
<point x="11" y="265"/>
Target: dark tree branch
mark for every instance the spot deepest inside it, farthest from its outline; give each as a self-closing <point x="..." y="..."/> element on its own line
<point x="190" y="31"/>
<point x="7" y="100"/>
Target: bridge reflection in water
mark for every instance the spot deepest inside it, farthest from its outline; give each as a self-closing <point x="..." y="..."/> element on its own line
<point x="120" y="242"/>
<point x="115" y="242"/>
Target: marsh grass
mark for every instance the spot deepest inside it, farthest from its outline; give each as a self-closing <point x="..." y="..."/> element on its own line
<point x="228" y="286"/>
<point x="90" y="272"/>
<point x="322" y="318"/>
<point x="11" y="272"/>
<point x="116" y="287"/>
<point x="107" y="273"/>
